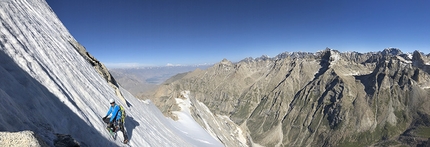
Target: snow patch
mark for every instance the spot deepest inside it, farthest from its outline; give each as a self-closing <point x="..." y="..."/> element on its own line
<point x="238" y="130"/>
<point x="205" y="122"/>
<point x="334" y="56"/>
<point x="403" y="59"/>
<point x="186" y="124"/>
<point x="410" y="56"/>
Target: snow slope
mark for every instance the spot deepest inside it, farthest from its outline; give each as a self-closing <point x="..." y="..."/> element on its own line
<point x="48" y="88"/>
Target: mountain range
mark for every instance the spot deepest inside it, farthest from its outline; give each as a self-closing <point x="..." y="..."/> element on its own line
<point x="54" y="93"/>
<point x="327" y="98"/>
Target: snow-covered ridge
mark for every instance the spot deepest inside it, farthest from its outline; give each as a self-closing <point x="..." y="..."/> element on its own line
<point x="189" y="126"/>
<point x="47" y="87"/>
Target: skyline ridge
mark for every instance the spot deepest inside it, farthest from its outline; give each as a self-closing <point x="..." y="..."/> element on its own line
<point x="192" y="32"/>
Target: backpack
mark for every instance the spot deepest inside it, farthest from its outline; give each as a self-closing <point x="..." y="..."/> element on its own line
<point x="123" y="115"/>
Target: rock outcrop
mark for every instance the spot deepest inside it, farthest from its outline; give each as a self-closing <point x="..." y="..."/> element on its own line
<point x="98" y="66"/>
<point x="23" y="138"/>
<point x="326" y="98"/>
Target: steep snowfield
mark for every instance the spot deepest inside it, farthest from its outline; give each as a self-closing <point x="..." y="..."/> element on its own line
<point x="187" y="124"/>
<point x="48" y="88"/>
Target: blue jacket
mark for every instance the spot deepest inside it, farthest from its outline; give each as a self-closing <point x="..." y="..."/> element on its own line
<point x="114" y="110"/>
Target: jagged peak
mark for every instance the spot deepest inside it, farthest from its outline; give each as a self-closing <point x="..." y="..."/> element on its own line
<point x="417" y="58"/>
<point x="248" y="59"/>
<point x="263" y="57"/>
<point x="335" y="55"/>
<point x="225" y="61"/>
<point x="392" y="51"/>
<point x="293" y="55"/>
<point x="416" y="55"/>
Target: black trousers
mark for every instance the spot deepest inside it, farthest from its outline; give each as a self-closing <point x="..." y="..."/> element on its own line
<point x="119" y="123"/>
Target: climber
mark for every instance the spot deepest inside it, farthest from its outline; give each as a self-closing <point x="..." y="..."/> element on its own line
<point x="116" y="120"/>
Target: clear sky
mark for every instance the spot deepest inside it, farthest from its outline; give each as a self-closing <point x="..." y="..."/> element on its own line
<point x="161" y="32"/>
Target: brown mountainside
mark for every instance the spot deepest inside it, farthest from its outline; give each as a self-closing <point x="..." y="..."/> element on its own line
<point x="326" y="98"/>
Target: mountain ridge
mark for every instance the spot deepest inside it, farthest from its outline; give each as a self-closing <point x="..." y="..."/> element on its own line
<point x="307" y="95"/>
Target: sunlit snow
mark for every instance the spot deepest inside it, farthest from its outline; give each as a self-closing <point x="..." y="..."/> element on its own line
<point x="186" y="124"/>
<point x="47" y="87"/>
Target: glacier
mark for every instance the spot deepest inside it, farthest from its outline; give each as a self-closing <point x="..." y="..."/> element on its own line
<point x="47" y="87"/>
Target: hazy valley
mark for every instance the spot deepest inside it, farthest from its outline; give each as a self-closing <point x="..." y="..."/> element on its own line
<point x="143" y="81"/>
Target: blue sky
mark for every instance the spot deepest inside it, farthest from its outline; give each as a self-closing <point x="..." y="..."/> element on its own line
<point x="160" y="32"/>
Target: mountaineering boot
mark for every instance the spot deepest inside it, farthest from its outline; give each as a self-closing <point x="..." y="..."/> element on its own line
<point x="125" y="141"/>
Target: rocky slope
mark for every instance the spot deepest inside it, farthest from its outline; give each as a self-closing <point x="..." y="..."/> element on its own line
<point x="326" y="98"/>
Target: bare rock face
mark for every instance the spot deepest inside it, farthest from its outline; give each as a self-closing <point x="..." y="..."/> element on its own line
<point x="326" y="98"/>
<point x="99" y="67"/>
